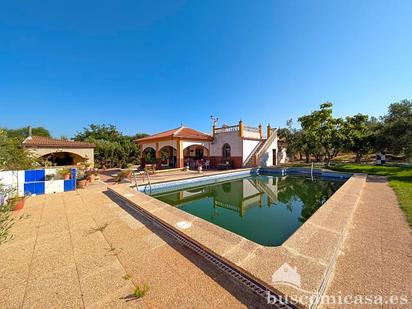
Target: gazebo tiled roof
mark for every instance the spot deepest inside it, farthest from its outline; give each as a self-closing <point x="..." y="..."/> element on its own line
<point x="41" y="141"/>
<point x="180" y="132"/>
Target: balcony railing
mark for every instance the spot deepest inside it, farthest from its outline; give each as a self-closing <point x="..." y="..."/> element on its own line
<point x="245" y="131"/>
<point x="227" y="129"/>
<point x="251" y="129"/>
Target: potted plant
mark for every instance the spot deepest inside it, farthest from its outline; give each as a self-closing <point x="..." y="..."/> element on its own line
<point x="65" y="173"/>
<point x="129" y="170"/>
<point x="81" y="180"/>
<point x="16" y="202"/>
<point x="91" y="174"/>
<point x="123" y="175"/>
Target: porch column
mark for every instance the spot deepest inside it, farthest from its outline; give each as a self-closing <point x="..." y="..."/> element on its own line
<point x="158" y="157"/>
<point x="179" y="154"/>
<point x="141" y="151"/>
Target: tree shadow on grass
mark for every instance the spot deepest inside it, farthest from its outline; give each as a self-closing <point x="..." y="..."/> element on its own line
<point x="393" y="173"/>
<point x="378" y="179"/>
<point x="243" y="294"/>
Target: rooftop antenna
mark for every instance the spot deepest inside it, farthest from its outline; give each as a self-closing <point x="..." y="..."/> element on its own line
<point x="214" y="120"/>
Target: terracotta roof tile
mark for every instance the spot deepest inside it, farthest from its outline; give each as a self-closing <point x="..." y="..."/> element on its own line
<point x="41" y="141"/>
<point x="182" y="132"/>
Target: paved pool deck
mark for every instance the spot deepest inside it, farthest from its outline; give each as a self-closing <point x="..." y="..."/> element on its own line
<point x="316" y="250"/>
<point x="82" y="249"/>
<point x="87" y="249"/>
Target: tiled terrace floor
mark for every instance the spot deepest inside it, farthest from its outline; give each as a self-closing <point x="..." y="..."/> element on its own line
<point x="78" y="249"/>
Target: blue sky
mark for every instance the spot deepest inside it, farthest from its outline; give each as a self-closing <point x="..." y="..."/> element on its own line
<point x="147" y="66"/>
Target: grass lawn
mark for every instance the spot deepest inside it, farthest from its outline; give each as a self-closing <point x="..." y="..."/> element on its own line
<point x="400" y="179"/>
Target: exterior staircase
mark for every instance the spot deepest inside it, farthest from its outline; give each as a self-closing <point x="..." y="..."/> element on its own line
<point x="254" y="157"/>
<point x="251" y="161"/>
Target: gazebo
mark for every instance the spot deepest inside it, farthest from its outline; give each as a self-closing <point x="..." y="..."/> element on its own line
<point x="175" y="148"/>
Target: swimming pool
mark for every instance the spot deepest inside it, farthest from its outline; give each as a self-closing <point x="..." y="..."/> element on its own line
<point x="266" y="209"/>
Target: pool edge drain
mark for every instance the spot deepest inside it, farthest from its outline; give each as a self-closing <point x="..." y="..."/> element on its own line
<point x="239" y="276"/>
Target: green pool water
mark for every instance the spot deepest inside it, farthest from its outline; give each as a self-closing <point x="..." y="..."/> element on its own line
<point x="264" y="209"/>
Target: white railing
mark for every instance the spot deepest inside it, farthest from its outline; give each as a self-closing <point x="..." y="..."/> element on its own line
<point x="227" y="206"/>
<point x="265" y="146"/>
<point x="226" y="129"/>
<point x="251" y="129"/>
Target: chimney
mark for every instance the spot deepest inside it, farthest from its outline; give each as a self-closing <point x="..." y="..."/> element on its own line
<point x="29" y="132"/>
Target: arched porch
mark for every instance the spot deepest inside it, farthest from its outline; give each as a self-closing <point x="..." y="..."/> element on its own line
<point x="148" y="156"/>
<point x="168" y="157"/>
<point x="175" y="146"/>
<point x="196" y="155"/>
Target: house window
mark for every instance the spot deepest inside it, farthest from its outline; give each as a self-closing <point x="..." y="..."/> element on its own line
<point x="226" y="151"/>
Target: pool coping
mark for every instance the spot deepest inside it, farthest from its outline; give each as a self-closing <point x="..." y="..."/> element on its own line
<point x="311" y="250"/>
<point x="202" y="179"/>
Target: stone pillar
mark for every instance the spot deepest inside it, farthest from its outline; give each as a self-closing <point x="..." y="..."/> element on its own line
<point x="179" y="154"/>
<point x="260" y="130"/>
<point x="158" y="157"/>
<point x="269" y="131"/>
<point x="241" y="128"/>
<point x="213" y="130"/>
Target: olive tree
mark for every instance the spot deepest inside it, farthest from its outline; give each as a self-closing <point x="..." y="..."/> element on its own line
<point x="395" y="134"/>
<point x="357" y="135"/>
<point x="113" y="149"/>
<point x="12" y="154"/>
<point x="322" y="132"/>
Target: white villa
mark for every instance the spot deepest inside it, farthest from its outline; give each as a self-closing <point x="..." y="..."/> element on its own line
<point x="233" y="146"/>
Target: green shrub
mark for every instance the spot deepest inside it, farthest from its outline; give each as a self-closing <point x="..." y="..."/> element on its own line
<point x="6" y="221"/>
<point x="140" y="291"/>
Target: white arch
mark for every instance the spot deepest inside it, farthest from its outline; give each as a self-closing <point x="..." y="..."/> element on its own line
<point x="165" y="146"/>
<point x="148" y="146"/>
<point x="171" y="143"/>
<point x="186" y="144"/>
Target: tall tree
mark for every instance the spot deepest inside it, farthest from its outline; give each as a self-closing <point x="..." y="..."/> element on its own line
<point x="322" y="132"/>
<point x="22" y="133"/>
<point x="113" y="149"/>
<point x="288" y="135"/>
<point x="396" y="131"/>
<point x="357" y="136"/>
<point x="12" y="155"/>
<point x="107" y="132"/>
